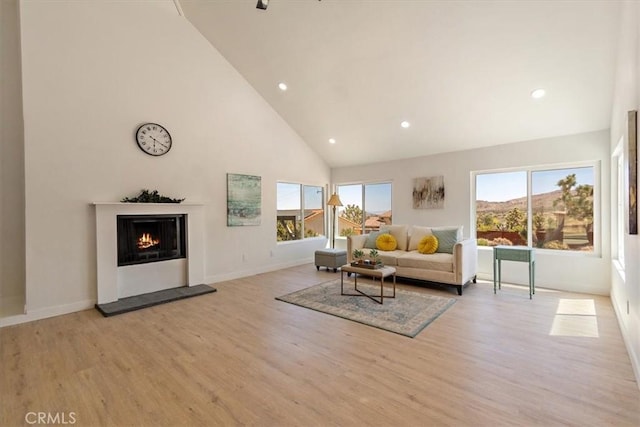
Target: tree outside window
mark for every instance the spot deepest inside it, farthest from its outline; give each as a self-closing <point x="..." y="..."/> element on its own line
<point x="300" y="211"/>
<point x="561" y="210"/>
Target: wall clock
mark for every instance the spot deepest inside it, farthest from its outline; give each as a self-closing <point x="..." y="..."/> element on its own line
<point x="153" y="139"/>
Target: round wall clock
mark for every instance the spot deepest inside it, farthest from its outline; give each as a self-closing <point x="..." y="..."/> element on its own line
<point x="153" y="139"/>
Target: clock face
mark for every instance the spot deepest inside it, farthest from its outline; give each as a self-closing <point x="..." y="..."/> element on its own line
<point x="153" y="139"/>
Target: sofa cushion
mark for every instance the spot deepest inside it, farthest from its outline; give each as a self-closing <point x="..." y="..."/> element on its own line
<point x="386" y="242"/>
<point x="447" y="238"/>
<point x="416" y="233"/>
<point x="399" y="232"/>
<point x="428" y="245"/>
<point x="390" y="258"/>
<point x="370" y="243"/>
<point x="436" y="261"/>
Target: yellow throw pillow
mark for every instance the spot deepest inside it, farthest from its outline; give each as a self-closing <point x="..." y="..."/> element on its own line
<point x="386" y="242"/>
<point x="428" y="245"/>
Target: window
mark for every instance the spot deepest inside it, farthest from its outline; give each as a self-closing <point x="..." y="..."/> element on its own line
<point x="619" y="193"/>
<point x="300" y="211"/>
<point x="365" y="208"/>
<point x="556" y="204"/>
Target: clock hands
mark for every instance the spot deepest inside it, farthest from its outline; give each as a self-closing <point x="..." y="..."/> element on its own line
<point x="156" y="141"/>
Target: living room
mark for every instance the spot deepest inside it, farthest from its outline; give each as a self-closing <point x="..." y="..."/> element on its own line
<point x="81" y="77"/>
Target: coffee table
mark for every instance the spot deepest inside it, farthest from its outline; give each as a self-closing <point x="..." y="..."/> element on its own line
<point x="380" y="273"/>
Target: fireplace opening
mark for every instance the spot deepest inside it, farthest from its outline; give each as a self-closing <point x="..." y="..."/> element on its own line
<point x="150" y="238"/>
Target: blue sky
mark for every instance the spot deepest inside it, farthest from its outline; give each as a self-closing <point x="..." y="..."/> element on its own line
<point x="378" y="196"/>
<point x="289" y="196"/>
<point x="503" y="186"/>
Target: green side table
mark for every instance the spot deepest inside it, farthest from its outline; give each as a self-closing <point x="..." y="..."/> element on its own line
<point x="514" y="253"/>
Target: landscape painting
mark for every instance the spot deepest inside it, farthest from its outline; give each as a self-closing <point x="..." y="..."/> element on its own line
<point x="244" y="200"/>
<point x="428" y="193"/>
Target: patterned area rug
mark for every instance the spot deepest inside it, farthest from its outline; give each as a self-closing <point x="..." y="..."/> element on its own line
<point x="407" y="314"/>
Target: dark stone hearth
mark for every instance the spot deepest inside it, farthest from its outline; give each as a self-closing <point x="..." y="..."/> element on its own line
<point x="137" y="302"/>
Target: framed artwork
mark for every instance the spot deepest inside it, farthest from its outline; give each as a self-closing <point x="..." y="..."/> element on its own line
<point x="428" y="193"/>
<point x="632" y="140"/>
<point x="244" y="200"/>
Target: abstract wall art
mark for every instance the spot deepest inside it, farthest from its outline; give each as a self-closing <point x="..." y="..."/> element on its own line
<point x="428" y="193"/>
<point x="244" y="200"/>
<point x="632" y="140"/>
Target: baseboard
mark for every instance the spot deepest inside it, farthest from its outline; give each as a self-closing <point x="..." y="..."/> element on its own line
<point x="258" y="270"/>
<point x="633" y="356"/>
<point x="44" y="313"/>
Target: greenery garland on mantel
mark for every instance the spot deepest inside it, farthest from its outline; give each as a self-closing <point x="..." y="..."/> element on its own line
<point x="147" y="196"/>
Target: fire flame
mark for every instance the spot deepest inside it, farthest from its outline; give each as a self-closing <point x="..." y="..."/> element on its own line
<point x="146" y="241"/>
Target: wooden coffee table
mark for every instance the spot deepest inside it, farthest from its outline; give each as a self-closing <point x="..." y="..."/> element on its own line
<point x="375" y="273"/>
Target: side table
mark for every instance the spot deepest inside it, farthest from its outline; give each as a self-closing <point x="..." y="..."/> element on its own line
<point x="514" y="253"/>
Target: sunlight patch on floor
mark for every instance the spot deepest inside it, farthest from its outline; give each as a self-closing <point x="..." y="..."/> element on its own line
<point x="575" y="318"/>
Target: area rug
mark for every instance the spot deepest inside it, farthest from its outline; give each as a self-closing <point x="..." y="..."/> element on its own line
<point x="407" y="314"/>
<point x="125" y="305"/>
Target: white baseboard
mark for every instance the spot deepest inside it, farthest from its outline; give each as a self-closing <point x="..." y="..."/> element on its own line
<point x="44" y="313"/>
<point x="633" y="356"/>
<point x="258" y="270"/>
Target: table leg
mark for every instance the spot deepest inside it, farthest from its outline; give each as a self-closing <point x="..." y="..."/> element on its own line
<point x="494" y="274"/>
<point x="530" y="282"/>
<point x="532" y="278"/>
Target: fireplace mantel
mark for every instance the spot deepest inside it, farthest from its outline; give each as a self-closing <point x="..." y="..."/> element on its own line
<point x="106" y="241"/>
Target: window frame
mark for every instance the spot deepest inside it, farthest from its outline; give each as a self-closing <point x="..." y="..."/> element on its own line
<point x="597" y="205"/>
<point x="619" y="194"/>
<point x="363" y="185"/>
<point x="301" y="211"/>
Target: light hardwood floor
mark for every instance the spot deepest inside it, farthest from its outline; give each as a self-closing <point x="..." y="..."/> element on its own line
<point x="240" y="357"/>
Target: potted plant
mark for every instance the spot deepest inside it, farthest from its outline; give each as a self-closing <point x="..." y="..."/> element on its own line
<point x="374" y="256"/>
<point x="357" y="256"/>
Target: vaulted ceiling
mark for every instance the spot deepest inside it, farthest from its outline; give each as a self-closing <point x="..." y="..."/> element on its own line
<point x="460" y="72"/>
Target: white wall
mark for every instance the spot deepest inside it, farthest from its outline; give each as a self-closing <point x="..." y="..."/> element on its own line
<point x="588" y="274"/>
<point x="625" y="286"/>
<point x="92" y="72"/>
<point x="12" y="262"/>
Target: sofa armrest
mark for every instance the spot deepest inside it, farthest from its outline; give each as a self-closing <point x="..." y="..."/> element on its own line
<point x="465" y="260"/>
<point x="355" y="242"/>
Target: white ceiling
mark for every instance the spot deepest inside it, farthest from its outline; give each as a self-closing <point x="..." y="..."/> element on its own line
<point x="461" y="72"/>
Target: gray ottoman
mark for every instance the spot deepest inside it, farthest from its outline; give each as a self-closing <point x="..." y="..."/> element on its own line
<point x="330" y="258"/>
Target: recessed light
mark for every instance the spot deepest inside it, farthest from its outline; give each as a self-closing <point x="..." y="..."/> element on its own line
<point x="538" y="93"/>
<point x="332" y="140"/>
<point x="282" y="86"/>
<point x="405" y="124"/>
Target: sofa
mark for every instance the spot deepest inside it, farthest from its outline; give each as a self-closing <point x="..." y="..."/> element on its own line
<point x="454" y="261"/>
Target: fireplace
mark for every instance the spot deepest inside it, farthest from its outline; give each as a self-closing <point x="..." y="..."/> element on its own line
<point x="115" y="282"/>
<point x="150" y="238"/>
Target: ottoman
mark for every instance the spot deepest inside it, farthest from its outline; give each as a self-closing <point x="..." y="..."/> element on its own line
<point x="330" y="258"/>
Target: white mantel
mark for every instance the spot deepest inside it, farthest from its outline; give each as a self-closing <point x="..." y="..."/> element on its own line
<point x="107" y="246"/>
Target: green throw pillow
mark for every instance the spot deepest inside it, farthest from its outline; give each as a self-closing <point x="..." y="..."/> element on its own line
<point x="370" y="243"/>
<point x="447" y="238"/>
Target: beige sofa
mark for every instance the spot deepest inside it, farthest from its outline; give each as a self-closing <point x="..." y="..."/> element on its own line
<point x="457" y="267"/>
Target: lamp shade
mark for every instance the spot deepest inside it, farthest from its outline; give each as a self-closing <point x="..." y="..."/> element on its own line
<point x="334" y="200"/>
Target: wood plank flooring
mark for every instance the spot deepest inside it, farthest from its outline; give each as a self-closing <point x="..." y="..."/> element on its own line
<point x="239" y="357"/>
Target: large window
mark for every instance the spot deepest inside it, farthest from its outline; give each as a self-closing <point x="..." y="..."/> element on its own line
<point x="544" y="208"/>
<point x="365" y="208"/>
<point x="300" y="211"/>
